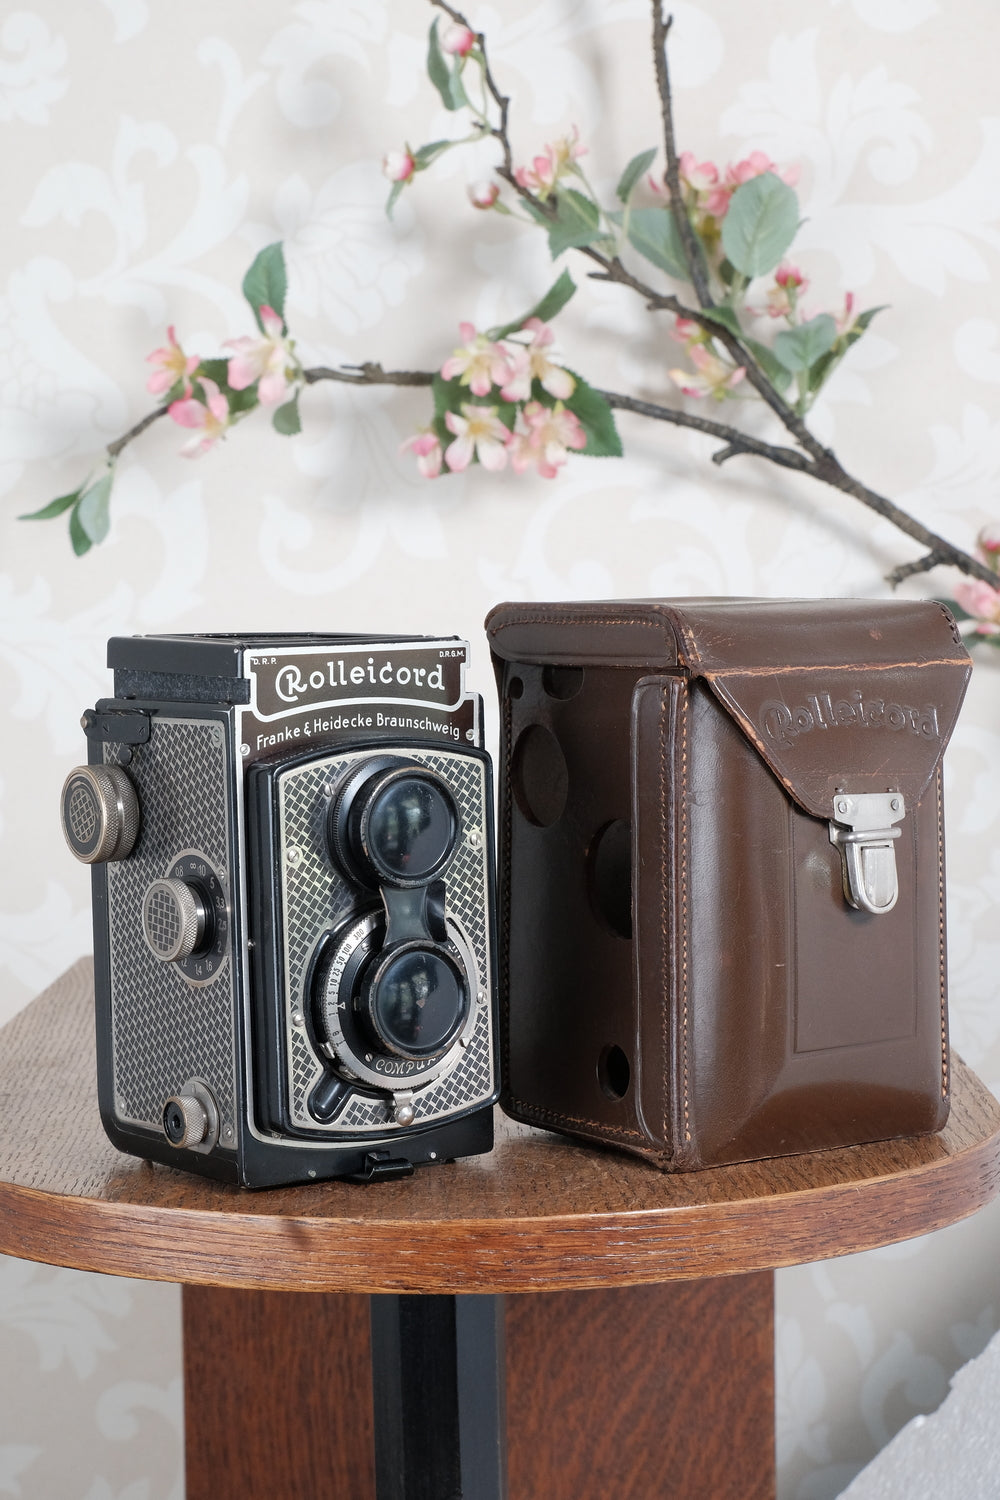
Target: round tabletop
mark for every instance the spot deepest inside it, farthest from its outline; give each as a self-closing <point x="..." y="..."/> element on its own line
<point x="539" y="1213"/>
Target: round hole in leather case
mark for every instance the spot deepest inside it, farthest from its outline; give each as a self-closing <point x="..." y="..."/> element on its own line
<point x="614" y="1073"/>
<point x="562" y="682"/>
<point x="539" y="776"/>
<point x="609" y="877"/>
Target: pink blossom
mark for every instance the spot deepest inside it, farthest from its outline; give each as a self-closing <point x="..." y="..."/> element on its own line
<point x="428" y="451"/>
<point x="457" y="39"/>
<point x="209" y="417"/>
<point x="529" y="362"/>
<point x="174" y="365"/>
<point x="687" y="331"/>
<point x="480" y="363"/>
<point x="982" y="601"/>
<point x="755" y="165"/>
<point x="266" y="360"/>
<point x="783" y="296"/>
<point x="479" y="433"/>
<point x="484" y="194"/>
<point x="543" y="436"/>
<point x="846" y="318"/>
<point x="707" y="192"/>
<point x="398" y="166"/>
<point x="713" y="377"/>
<point x="555" y="162"/>
<point x="988" y="542"/>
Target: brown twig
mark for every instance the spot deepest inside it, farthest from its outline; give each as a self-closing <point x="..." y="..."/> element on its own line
<point x="113" y="449"/>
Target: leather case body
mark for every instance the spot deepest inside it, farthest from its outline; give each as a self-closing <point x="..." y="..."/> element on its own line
<point x="722" y="871"/>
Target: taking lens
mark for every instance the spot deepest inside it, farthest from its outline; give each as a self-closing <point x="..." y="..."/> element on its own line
<point x="417" y="1002"/>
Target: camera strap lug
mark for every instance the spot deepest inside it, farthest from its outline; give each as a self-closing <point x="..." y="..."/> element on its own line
<point x="121" y="726"/>
<point x="862" y="829"/>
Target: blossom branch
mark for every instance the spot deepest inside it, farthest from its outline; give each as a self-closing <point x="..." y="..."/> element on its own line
<point x="115" y="448"/>
<point x="692" y="251"/>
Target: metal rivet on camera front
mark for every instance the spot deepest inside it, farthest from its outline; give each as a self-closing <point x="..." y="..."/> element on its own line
<point x="217" y="734"/>
<point x="474" y="837"/>
<point x="298" y="1019"/>
<point x="227" y="1134"/>
<point x="293" y="855"/>
<point x="244" y="749"/>
<point x="843" y="805"/>
<point x="895" y="804"/>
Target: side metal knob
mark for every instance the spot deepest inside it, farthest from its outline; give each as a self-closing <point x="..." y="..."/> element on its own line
<point x="174" y="919"/>
<point x="185" y="1120"/>
<point x="100" y="813"/>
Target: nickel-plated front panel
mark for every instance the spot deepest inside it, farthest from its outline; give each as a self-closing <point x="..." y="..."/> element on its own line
<point x="172" y="1021"/>
<point x="316" y="898"/>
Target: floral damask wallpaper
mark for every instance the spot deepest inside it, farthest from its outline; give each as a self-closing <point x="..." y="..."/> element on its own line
<point x="148" y="153"/>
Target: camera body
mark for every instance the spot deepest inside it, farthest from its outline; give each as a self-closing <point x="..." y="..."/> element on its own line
<point x="291" y="845"/>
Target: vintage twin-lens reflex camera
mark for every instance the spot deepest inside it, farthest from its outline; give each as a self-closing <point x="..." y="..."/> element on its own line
<point x="292" y="847"/>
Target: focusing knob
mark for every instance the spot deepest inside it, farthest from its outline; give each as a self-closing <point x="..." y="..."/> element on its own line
<point x="174" y="920"/>
<point x="100" y="813"/>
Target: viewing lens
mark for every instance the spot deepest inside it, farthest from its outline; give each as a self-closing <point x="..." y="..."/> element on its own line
<point x="418" y="1003"/>
<point x="412" y="828"/>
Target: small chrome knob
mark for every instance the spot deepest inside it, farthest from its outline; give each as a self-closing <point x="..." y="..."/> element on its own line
<point x="185" y="1120"/>
<point x="174" y="920"/>
<point x="100" y="813"/>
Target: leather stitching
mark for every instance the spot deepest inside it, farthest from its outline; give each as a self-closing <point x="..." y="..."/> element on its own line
<point x="682" y="804"/>
<point x="942" y="953"/>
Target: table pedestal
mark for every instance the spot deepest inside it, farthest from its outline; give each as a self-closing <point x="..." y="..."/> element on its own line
<point x="635" y="1392"/>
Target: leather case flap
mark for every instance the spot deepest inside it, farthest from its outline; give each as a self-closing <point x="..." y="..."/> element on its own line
<point x="857" y="695"/>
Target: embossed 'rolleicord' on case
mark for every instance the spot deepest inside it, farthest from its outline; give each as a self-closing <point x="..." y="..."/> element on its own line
<point x="722" y="871"/>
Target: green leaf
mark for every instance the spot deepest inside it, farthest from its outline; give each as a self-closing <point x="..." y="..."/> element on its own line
<point x="390" y="202"/>
<point x="553" y="302"/>
<point x="577" y="222"/>
<point x="446" y="78"/>
<point x="799" y="348"/>
<point x="81" y="541"/>
<point x="654" y="233"/>
<point x="760" y="224"/>
<point x="775" y="371"/>
<point x="286" y="419"/>
<point x="54" y="508"/>
<point x="93" y="510"/>
<point x="635" y="169"/>
<point x="597" y="420"/>
<point x="266" y="283"/>
<point x="424" y="155"/>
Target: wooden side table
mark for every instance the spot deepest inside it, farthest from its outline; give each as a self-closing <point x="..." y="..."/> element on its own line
<point x="633" y="1344"/>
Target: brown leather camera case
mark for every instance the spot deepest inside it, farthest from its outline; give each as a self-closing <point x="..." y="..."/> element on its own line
<point x="722" y="871"/>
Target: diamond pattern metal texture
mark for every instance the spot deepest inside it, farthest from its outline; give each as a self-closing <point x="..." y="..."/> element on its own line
<point x="316" y="898"/>
<point x="166" y="1030"/>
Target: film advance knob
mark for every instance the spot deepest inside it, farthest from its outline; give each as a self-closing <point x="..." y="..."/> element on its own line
<point x="174" y="919"/>
<point x="100" y="813"/>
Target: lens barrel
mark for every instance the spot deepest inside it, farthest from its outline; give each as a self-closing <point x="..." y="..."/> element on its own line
<point x="393" y="823"/>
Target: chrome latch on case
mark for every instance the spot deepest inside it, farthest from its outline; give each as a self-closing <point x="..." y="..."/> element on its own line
<point x="862" y="829"/>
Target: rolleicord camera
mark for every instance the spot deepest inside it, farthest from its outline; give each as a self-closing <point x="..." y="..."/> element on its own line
<point x="291" y="840"/>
